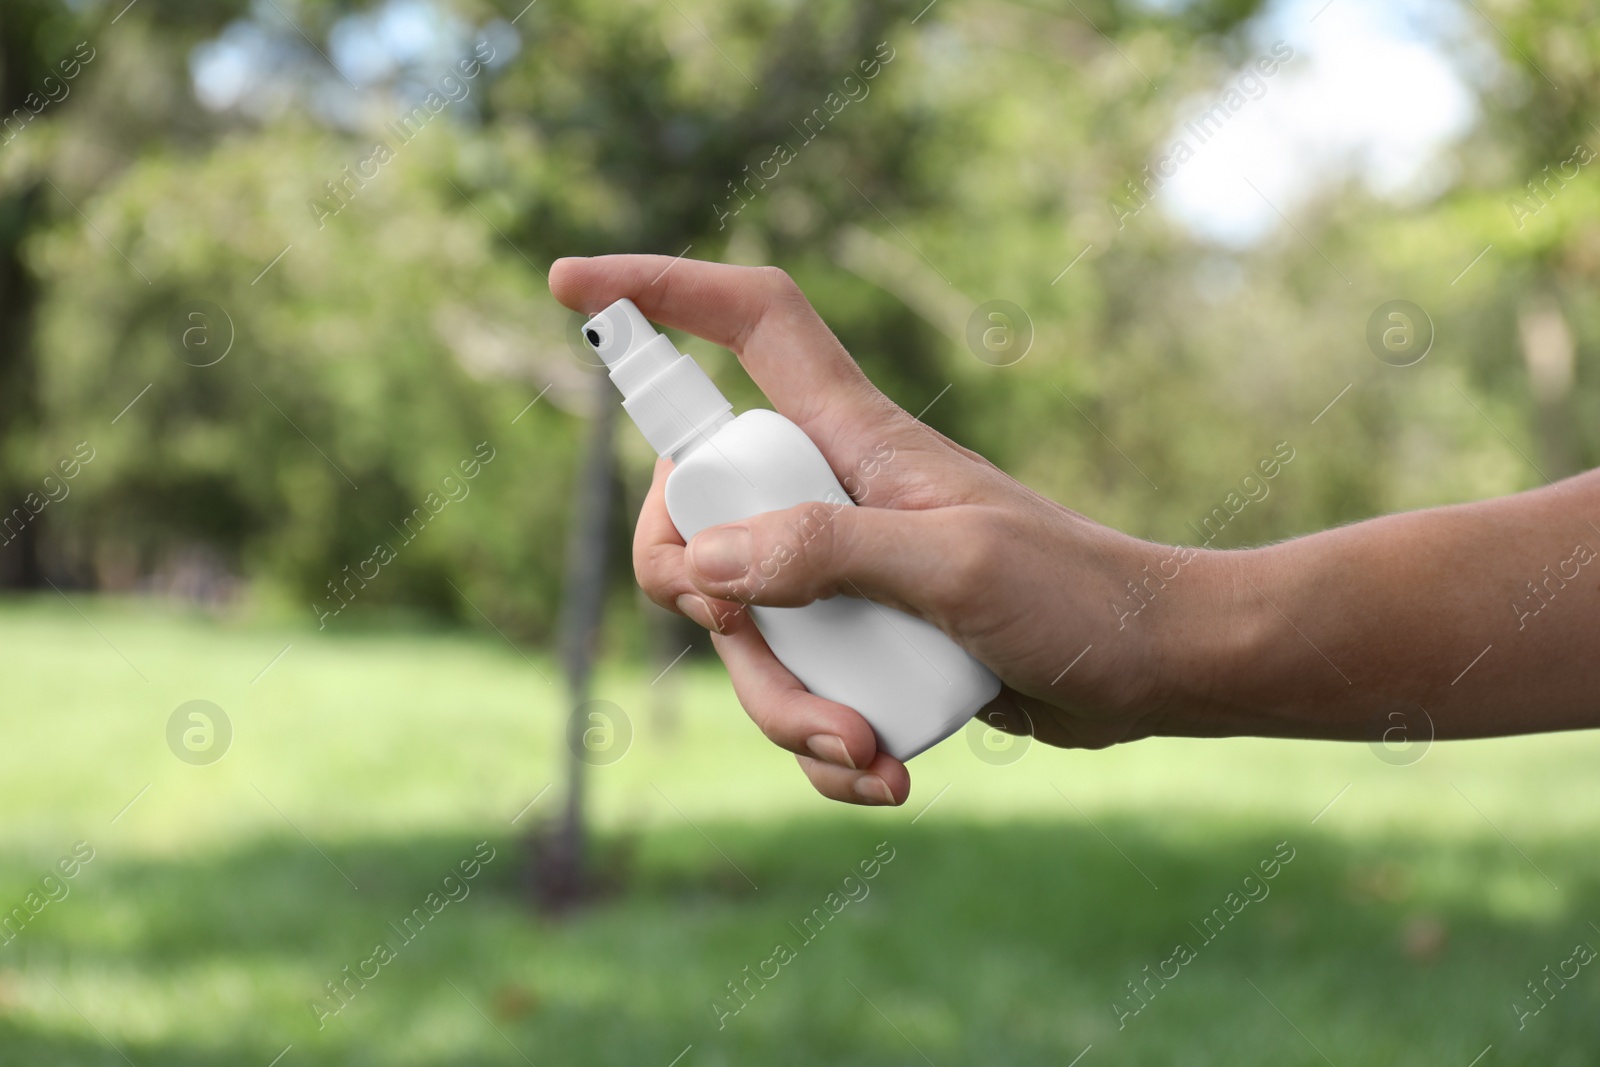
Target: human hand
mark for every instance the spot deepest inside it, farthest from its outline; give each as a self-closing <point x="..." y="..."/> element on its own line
<point x="1025" y="585"/>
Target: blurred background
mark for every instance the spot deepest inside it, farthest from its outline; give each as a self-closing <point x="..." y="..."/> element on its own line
<point x="319" y="633"/>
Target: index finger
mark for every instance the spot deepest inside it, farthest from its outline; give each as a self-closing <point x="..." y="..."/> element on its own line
<point x="757" y="312"/>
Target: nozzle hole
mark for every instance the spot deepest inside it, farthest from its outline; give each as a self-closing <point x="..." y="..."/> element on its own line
<point x="593" y="336"/>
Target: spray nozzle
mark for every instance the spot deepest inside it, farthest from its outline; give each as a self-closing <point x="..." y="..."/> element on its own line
<point x="618" y="331"/>
<point x="665" y="392"/>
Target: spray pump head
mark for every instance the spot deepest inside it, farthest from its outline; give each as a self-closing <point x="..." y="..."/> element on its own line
<point x="667" y="395"/>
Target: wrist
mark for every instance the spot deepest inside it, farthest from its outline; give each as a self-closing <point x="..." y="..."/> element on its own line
<point x="1248" y="651"/>
<point x="1203" y="645"/>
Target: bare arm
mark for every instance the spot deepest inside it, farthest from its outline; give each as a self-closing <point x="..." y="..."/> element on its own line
<point x="1100" y="637"/>
<point x="1485" y="615"/>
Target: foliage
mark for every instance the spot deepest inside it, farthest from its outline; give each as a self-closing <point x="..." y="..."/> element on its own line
<point x="398" y="332"/>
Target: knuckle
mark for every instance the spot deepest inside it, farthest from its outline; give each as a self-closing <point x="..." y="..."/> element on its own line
<point x="789" y="549"/>
<point x="970" y="550"/>
<point x="657" y="568"/>
<point x="779" y="285"/>
<point x="808" y="766"/>
<point x="770" y="718"/>
<point x="758" y="715"/>
<point x="779" y="295"/>
<point x="784" y="298"/>
<point x="819" y="538"/>
<point x="817" y="774"/>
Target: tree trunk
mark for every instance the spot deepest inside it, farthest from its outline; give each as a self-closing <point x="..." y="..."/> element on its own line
<point x="20" y="212"/>
<point x="563" y="876"/>
<point x="1549" y="351"/>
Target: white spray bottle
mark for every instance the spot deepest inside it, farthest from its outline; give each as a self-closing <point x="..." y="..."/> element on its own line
<point x="905" y="676"/>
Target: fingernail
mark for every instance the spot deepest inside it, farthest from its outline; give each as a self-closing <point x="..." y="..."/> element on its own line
<point x="830" y="747"/>
<point x="698" y="609"/>
<point x="721" y="554"/>
<point x="875" y="789"/>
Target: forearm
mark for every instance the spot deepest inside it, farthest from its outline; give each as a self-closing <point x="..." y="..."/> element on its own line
<point x="1486" y="616"/>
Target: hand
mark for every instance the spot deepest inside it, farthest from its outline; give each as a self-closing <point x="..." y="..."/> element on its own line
<point x="1024" y="584"/>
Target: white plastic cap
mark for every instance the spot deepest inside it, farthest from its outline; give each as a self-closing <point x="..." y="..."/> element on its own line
<point x="665" y="392"/>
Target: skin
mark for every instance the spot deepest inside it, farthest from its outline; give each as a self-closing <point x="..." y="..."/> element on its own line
<point x="1473" y="620"/>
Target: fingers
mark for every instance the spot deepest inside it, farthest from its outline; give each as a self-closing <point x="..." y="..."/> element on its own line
<point x="884" y="782"/>
<point x="658" y="560"/>
<point x="835" y="745"/>
<point x="933" y="561"/>
<point x="758" y="312"/>
<point x="657" y="545"/>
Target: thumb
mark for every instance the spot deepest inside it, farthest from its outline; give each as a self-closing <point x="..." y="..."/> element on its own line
<point x="928" y="562"/>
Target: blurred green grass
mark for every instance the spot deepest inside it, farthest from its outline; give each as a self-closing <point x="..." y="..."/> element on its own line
<point x="1013" y="914"/>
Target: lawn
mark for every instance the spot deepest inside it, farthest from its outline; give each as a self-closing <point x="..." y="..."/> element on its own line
<point x="1003" y="924"/>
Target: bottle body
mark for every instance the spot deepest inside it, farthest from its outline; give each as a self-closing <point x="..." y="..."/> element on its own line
<point x="905" y="676"/>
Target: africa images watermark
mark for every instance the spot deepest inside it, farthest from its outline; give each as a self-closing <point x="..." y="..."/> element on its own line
<point x="1248" y="86"/>
<point x="449" y="90"/>
<point x="1550" y="583"/>
<point x="1543" y="190"/>
<point x="55" y="490"/>
<point x="1552" y="983"/>
<point x="754" y="977"/>
<point x="454" y="489"/>
<point x="1254" y="889"/>
<point x="342" y="990"/>
<point x="1252" y="489"/>
<point x="51" y="890"/>
<point x="855" y="90"/>
<point x="817" y="519"/>
<point x="34" y="104"/>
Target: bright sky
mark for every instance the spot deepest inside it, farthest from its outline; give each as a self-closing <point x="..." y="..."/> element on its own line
<point x="1373" y="93"/>
<point x="412" y="41"/>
